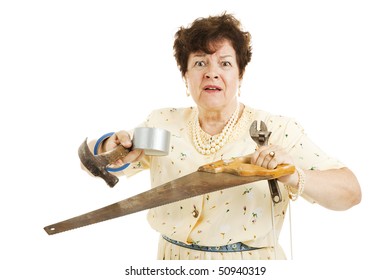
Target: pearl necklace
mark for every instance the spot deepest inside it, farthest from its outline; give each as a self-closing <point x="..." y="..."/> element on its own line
<point x="206" y="144"/>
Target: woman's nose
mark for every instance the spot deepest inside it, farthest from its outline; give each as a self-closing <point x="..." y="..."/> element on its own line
<point x="211" y="72"/>
<point x="212" y="75"/>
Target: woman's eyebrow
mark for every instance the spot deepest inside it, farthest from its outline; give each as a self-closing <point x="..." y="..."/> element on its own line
<point x="199" y="55"/>
<point x="226" y="56"/>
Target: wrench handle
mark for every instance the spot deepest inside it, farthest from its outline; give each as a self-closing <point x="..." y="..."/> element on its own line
<point x="274" y="190"/>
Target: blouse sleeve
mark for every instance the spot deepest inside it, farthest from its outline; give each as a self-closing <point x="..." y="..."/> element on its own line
<point x="306" y="154"/>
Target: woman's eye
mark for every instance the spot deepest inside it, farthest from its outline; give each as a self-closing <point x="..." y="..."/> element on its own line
<point x="200" y="63"/>
<point x="226" y="63"/>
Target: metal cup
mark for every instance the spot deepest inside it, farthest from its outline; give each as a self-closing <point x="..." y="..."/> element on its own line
<point x="154" y="141"/>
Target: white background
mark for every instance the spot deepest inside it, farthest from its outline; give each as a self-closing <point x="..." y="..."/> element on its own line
<point x="76" y="69"/>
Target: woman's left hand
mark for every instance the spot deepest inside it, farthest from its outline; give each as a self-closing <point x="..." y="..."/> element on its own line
<point x="270" y="157"/>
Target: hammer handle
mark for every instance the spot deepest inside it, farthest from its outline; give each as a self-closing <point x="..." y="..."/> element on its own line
<point x="115" y="154"/>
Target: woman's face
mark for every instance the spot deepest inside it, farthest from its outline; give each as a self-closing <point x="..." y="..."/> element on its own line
<point x="213" y="79"/>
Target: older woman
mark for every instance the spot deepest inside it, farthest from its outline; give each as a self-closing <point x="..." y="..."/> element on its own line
<point x="237" y="223"/>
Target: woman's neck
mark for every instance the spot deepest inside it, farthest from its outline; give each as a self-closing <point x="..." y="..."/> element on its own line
<point x="213" y="122"/>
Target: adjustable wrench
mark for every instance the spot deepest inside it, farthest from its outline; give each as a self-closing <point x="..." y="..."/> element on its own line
<point x="261" y="138"/>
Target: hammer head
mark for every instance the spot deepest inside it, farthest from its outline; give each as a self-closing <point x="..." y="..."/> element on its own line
<point x="97" y="165"/>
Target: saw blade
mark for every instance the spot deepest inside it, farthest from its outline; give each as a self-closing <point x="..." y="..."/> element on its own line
<point x="191" y="185"/>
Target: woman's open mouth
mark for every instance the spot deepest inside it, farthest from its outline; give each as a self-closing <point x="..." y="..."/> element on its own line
<point x="212" y="89"/>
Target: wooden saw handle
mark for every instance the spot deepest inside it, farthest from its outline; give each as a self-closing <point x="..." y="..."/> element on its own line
<point x="241" y="166"/>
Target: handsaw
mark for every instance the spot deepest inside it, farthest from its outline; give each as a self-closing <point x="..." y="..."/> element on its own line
<point x="208" y="178"/>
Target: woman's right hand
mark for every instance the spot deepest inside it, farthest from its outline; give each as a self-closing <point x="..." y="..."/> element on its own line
<point x="122" y="138"/>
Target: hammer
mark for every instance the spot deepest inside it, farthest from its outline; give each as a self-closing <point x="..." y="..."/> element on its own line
<point x="97" y="165"/>
<point x="154" y="141"/>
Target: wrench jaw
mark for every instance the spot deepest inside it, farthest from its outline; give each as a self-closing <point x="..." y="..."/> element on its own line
<point x="263" y="127"/>
<point x="261" y="138"/>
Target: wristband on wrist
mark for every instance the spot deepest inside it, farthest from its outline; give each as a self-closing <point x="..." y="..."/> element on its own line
<point x="96" y="149"/>
<point x="294" y="193"/>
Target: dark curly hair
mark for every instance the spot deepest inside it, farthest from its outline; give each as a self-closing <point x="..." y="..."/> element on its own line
<point x="204" y="33"/>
